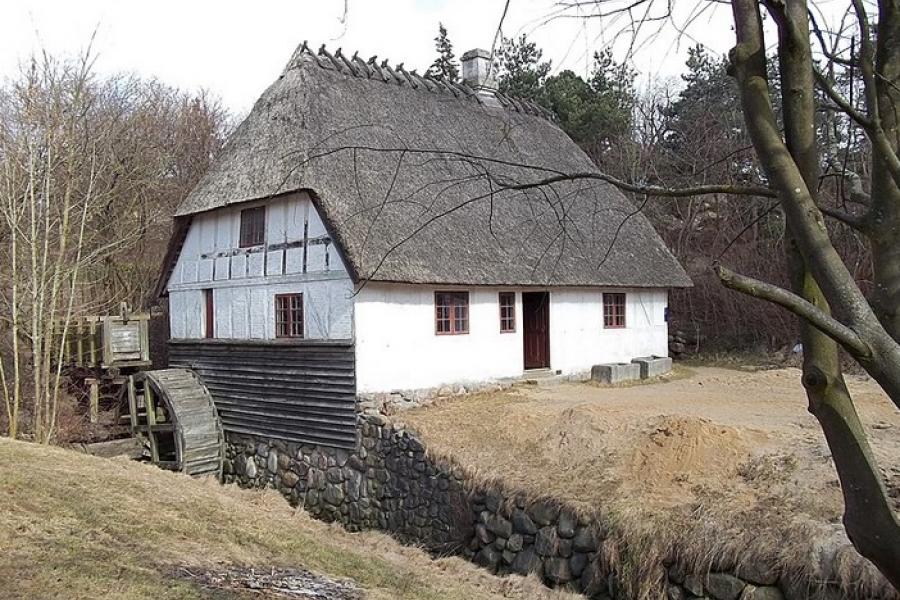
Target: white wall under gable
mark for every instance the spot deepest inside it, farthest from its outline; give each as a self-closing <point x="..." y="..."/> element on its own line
<point x="297" y="257"/>
<point x="397" y="348"/>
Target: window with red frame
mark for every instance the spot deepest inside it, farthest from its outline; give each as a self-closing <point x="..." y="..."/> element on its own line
<point x="613" y="310"/>
<point x="289" y="315"/>
<point x="253" y="226"/>
<point x="507" y="312"/>
<point x="451" y="313"/>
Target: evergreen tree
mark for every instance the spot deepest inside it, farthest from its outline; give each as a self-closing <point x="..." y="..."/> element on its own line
<point x="445" y="64"/>
<point x="522" y="73"/>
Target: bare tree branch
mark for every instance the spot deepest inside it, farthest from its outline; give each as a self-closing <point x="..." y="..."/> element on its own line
<point x="804" y="309"/>
<point x="559" y="176"/>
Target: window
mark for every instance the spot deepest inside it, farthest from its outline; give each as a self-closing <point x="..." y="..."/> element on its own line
<point x="210" y="316"/>
<point x="451" y="311"/>
<point x="289" y="315"/>
<point x="253" y="226"/>
<point x="507" y="312"/>
<point x="614" y="310"/>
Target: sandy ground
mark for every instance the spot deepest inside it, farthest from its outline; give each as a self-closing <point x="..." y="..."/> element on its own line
<point x="733" y="449"/>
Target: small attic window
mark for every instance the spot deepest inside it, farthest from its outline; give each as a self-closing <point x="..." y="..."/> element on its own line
<point x="253" y="227"/>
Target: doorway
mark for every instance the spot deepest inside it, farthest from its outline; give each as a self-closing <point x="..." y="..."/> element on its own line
<point x="536" y="329"/>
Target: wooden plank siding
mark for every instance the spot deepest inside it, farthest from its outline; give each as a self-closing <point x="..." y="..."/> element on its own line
<point x="297" y="390"/>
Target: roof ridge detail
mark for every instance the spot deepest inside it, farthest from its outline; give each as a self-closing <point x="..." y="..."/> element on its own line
<point x="399" y="76"/>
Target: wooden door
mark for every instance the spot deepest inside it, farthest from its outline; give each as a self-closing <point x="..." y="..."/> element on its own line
<point x="536" y="329"/>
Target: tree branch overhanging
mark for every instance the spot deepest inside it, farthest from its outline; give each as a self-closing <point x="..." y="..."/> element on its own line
<point x="800" y="307"/>
<point x="555" y="176"/>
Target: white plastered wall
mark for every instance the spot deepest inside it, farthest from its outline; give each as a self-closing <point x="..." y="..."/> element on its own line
<point x="397" y="348"/>
<point x="244" y="281"/>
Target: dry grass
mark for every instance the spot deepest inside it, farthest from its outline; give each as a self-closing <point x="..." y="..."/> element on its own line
<point x="76" y="526"/>
<point x="712" y="468"/>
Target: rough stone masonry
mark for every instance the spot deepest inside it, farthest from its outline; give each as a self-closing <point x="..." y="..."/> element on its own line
<point x="390" y="483"/>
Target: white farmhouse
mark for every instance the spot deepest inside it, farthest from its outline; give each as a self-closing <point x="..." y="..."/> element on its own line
<point x="405" y="228"/>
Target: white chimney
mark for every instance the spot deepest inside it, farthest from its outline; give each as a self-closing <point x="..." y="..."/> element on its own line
<point x="477" y="71"/>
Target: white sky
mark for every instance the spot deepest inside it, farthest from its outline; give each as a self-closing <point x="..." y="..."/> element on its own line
<point x="236" y="49"/>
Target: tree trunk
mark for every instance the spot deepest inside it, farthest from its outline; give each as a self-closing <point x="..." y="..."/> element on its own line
<point x="884" y="215"/>
<point x="868" y="517"/>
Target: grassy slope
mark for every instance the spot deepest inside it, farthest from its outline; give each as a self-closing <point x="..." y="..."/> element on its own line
<point x="76" y="526"/>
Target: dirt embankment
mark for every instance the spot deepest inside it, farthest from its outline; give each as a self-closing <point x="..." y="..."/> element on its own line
<point x="708" y="462"/>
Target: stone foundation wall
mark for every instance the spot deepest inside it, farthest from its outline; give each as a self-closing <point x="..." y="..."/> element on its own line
<point x="390" y="483"/>
<point x="386" y="483"/>
<point x="390" y="403"/>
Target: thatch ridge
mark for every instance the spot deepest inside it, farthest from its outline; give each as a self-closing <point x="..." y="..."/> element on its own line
<point x="370" y="69"/>
<point x="413" y="177"/>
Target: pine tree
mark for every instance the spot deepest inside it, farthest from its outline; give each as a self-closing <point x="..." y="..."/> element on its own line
<point x="522" y="73"/>
<point x="445" y="64"/>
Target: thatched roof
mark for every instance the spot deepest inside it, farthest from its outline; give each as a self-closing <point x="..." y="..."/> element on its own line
<point x="409" y="174"/>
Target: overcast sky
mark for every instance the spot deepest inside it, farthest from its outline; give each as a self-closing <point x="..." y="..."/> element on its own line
<point x="236" y="49"/>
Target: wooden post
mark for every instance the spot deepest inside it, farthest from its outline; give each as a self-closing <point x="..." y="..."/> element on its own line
<point x="144" y="332"/>
<point x="151" y="421"/>
<point x="132" y="404"/>
<point x="107" y="342"/>
<point x="95" y="398"/>
<point x="79" y="342"/>
<point x="93" y="343"/>
<point x="66" y="341"/>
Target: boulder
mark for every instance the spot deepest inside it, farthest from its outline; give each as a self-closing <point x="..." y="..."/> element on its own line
<point x="527" y="562"/>
<point x="577" y="563"/>
<point x="693" y="584"/>
<point x="557" y="570"/>
<point x="499" y="526"/>
<point x="566" y="524"/>
<point x="585" y="540"/>
<point x="483" y="535"/>
<point x="673" y="592"/>
<point x="488" y="557"/>
<point x="764" y="592"/>
<point x="290" y="479"/>
<point x="250" y="468"/>
<point x="333" y="494"/>
<point x="758" y="572"/>
<point x="522" y="523"/>
<point x="544" y="512"/>
<point x="515" y="542"/>
<point x="723" y="586"/>
<point x="546" y="541"/>
<point x="592" y="581"/>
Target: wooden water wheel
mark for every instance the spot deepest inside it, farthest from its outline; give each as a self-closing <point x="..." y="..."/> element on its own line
<point x="173" y="411"/>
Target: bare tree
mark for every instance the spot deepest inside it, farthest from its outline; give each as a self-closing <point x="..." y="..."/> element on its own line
<point x="90" y="169"/>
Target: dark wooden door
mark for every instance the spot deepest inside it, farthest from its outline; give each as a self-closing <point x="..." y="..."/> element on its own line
<point x="536" y="329"/>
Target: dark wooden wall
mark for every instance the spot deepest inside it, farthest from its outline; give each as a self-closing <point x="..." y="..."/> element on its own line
<point x="301" y="391"/>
